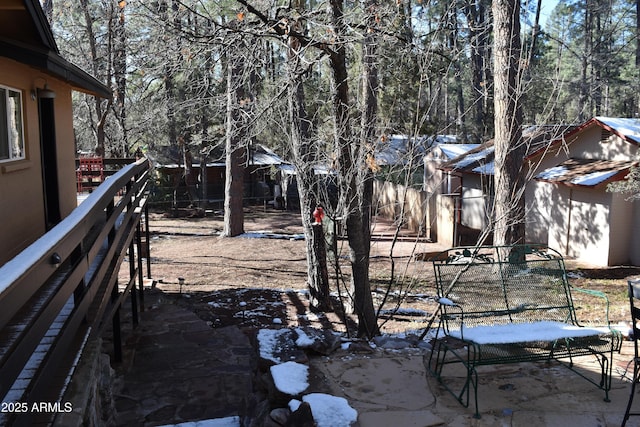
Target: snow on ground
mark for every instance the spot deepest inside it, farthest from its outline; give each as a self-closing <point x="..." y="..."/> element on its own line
<point x="271" y="235"/>
<point x="218" y="422"/>
<point x="290" y="377"/>
<point x="268" y="340"/>
<point x="327" y="410"/>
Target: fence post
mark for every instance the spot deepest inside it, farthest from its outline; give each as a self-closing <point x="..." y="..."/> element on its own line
<point x="132" y="277"/>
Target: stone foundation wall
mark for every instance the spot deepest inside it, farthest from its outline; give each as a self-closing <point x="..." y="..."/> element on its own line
<point x="90" y="391"/>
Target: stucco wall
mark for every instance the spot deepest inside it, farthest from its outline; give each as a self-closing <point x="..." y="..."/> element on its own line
<point x="538" y="211"/>
<point x="579" y="226"/>
<point x="474" y="203"/>
<point x="591" y="146"/>
<point x="589" y="224"/>
<point x="21" y="194"/>
<point x="621" y="220"/>
<point x="634" y="229"/>
<point x="446" y="205"/>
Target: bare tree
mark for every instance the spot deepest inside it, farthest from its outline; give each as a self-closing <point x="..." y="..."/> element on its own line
<point x="237" y="100"/>
<point x="509" y="148"/>
<point x="100" y="111"/>
<point x="304" y="155"/>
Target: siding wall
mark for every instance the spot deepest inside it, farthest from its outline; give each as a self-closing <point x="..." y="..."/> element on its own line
<point x="21" y="192"/>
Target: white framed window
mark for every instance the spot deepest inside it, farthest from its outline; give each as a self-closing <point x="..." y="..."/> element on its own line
<point x="11" y="125"/>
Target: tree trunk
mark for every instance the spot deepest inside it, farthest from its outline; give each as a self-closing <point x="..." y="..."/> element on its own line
<point x="637" y="33"/>
<point x="120" y="75"/>
<point x="370" y="86"/>
<point x="476" y="20"/>
<point x="235" y="154"/>
<point x="47" y="8"/>
<point x="100" y="113"/>
<point x="348" y="174"/>
<point x="304" y="158"/>
<point x="509" y="147"/>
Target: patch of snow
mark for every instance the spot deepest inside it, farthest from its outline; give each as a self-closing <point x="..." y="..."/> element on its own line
<point x="277" y="321"/>
<point x="217" y="422"/>
<point x="454" y="150"/>
<point x="588" y="179"/>
<point x="626" y="126"/>
<point x="485" y="169"/>
<point x="405" y="312"/>
<point x="474" y="157"/>
<point x="290" y="377"/>
<point x="327" y="410"/>
<point x="553" y="173"/>
<point x="303" y="339"/>
<point x="445" y="301"/>
<point x="268" y="341"/>
<point x="594" y="178"/>
<point x="312" y="317"/>
<point x="525" y="332"/>
<point x="270" y="235"/>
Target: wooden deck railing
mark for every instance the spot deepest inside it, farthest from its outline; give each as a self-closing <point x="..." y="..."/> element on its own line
<point x="63" y="291"/>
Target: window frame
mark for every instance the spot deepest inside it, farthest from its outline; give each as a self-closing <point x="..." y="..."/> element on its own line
<point x="7" y="120"/>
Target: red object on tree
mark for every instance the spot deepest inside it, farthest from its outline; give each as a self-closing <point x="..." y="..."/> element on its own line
<point x="318" y="214"/>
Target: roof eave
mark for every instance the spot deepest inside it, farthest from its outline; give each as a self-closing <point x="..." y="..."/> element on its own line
<point x="562" y="138"/>
<point x="42" y="24"/>
<point x="616" y="132"/>
<point x="617" y="177"/>
<point x="52" y="63"/>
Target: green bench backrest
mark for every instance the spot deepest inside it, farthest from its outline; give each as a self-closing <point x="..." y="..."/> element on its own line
<point x="496" y="287"/>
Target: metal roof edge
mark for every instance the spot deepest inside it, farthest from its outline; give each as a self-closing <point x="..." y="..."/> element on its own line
<point x="52" y="63"/>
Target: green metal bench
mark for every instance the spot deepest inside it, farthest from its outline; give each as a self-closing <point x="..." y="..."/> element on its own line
<point x="513" y="304"/>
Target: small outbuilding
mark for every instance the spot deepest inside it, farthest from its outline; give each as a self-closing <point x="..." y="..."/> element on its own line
<point x="568" y="205"/>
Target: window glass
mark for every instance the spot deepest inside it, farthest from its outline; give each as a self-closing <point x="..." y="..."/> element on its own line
<point x="11" y="127"/>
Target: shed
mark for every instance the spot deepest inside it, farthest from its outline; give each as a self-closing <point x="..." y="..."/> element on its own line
<point x="568" y="206"/>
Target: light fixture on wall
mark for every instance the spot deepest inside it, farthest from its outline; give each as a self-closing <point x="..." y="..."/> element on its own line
<point x="45" y="92"/>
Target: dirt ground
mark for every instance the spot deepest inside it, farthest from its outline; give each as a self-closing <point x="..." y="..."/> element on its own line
<point x="252" y="280"/>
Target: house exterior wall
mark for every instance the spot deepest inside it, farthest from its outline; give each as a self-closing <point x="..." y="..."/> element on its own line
<point x="589" y="224"/>
<point x="633" y="230"/>
<point x="538" y="211"/>
<point x="446" y="221"/>
<point x="65" y="147"/>
<point x="21" y="189"/>
<point x="621" y="219"/>
<point x="473" y="203"/>
<point x="591" y="146"/>
<point x="580" y="224"/>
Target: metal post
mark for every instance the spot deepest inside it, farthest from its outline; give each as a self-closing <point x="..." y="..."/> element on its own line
<point x="138" y="237"/>
<point x="132" y="277"/>
<point x="117" y="333"/>
<point x="146" y="232"/>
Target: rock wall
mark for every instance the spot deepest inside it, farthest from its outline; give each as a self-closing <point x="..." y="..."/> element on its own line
<point x="90" y="390"/>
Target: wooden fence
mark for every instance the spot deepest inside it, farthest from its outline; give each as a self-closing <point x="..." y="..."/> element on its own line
<point x="62" y="292"/>
<point x="389" y="199"/>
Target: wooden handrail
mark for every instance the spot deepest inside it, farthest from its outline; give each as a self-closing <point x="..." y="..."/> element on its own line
<point x="62" y="291"/>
